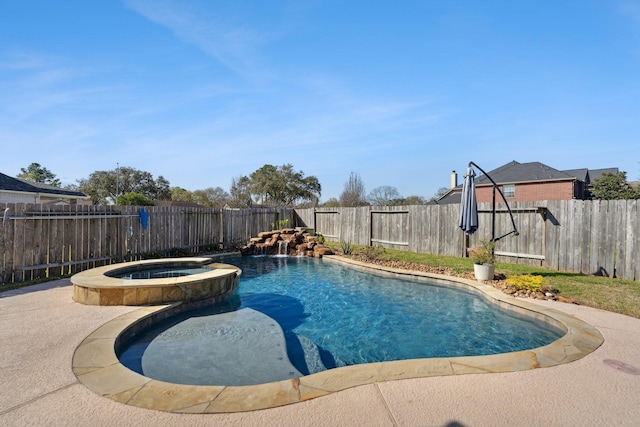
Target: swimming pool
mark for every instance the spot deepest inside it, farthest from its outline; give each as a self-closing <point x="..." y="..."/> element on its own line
<point x="293" y="317"/>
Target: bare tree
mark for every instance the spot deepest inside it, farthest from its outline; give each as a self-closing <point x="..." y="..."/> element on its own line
<point x="384" y="195"/>
<point x="354" y="192"/>
<point x="441" y="192"/>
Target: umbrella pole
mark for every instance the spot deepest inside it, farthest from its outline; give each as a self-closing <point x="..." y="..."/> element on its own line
<point x="493" y="215"/>
<point x="493" y="211"/>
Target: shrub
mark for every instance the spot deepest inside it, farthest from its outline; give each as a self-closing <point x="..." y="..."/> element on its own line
<point x="279" y="225"/>
<point x="179" y="252"/>
<point x="527" y="282"/>
<point x="212" y="247"/>
<point x="134" y="199"/>
<point x="150" y="255"/>
<point x="372" y="253"/>
<point x="347" y="248"/>
<point x="483" y="253"/>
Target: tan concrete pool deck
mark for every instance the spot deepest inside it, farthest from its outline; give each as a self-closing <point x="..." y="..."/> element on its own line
<point x="41" y="328"/>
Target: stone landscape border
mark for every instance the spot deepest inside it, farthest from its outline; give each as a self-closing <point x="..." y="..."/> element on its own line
<point x="96" y="364"/>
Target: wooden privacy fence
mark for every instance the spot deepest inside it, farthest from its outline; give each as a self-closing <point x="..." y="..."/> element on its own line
<point x="52" y="240"/>
<point x="601" y="237"/>
<point x="590" y="237"/>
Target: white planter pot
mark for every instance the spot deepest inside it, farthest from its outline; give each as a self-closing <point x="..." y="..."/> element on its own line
<point x="483" y="272"/>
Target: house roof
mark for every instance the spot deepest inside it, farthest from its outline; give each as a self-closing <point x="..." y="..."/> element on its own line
<point x="597" y="173"/>
<point x="515" y="172"/>
<point x="583" y="174"/>
<point x="8" y="183"/>
<point x="453" y="196"/>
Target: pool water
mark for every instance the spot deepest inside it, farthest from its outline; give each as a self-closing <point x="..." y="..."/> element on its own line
<point x="155" y="272"/>
<point x="309" y="315"/>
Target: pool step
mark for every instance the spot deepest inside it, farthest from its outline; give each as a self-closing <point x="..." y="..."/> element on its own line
<point x="311" y="355"/>
<point x="242" y="347"/>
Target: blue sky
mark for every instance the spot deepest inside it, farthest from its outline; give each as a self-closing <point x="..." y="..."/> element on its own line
<point x="401" y="93"/>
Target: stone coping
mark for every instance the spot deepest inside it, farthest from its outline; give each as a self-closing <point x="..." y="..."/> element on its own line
<point x="97" y="367"/>
<point x="97" y="277"/>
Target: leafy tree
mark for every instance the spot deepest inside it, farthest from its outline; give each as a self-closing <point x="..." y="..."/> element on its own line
<point x="212" y="197"/>
<point x="37" y="173"/>
<point x="383" y="196"/>
<point x="134" y="199"/>
<point x="101" y="187"/>
<point x="411" y="200"/>
<point x="277" y="186"/>
<point x="71" y="187"/>
<point x="161" y="191"/>
<point x="331" y="203"/>
<point x="613" y="187"/>
<point x="265" y="182"/>
<point x="104" y="186"/>
<point x="240" y="192"/>
<point x="414" y="200"/>
<point x="182" y="195"/>
<point x="298" y="188"/>
<point x="354" y="192"/>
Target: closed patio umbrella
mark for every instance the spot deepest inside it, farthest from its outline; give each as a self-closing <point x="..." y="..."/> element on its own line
<point x="468" y="204"/>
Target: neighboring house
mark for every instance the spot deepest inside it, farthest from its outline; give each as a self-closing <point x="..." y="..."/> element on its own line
<point x="16" y="190"/>
<point x="529" y="182"/>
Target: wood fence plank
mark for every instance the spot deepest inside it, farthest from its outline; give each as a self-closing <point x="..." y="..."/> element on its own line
<point x="8" y="243"/>
<point x="56" y="242"/>
<point x="563" y="229"/>
<point x="610" y="238"/>
<point x="27" y="238"/>
<point x="575" y="226"/>
<point x="619" y="232"/>
<point x="633" y="251"/>
<point x="564" y="218"/>
<point x="40" y="241"/>
<point x="597" y="236"/>
<point x="552" y="224"/>
<point x="585" y="237"/>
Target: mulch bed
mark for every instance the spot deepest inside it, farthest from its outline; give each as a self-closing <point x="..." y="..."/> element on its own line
<point x="499" y="281"/>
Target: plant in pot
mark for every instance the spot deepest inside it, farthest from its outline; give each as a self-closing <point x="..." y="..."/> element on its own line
<point x="483" y="257"/>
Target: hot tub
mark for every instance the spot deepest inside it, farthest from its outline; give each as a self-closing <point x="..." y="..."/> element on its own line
<point x="156" y="281"/>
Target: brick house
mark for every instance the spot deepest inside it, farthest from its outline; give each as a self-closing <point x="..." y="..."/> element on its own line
<point x="529" y="182"/>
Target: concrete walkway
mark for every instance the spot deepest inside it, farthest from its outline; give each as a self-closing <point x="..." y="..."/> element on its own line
<point x="40" y="328"/>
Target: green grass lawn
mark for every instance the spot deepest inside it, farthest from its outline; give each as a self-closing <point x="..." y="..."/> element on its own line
<point x="619" y="296"/>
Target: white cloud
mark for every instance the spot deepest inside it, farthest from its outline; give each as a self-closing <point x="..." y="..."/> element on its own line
<point x="224" y="36"/>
